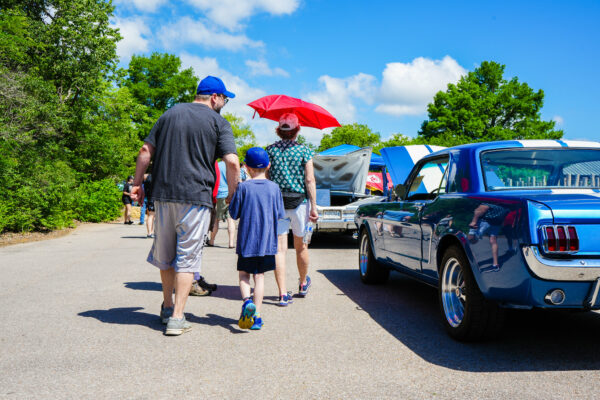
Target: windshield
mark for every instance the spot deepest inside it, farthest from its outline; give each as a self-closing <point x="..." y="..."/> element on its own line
<point x="541" y="168"/>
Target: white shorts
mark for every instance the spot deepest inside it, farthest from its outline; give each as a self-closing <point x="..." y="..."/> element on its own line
<point x="180" y="230"/>
<point x="297" y="218"/>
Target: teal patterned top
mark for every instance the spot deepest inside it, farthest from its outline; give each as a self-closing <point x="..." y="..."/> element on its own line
<point x="288" y="159"/>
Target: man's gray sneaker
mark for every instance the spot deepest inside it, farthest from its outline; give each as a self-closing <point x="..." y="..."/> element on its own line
<point x="176" y="327"/>
<point x="165" y="313"/>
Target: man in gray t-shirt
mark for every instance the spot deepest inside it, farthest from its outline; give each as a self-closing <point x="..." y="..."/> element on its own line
<point x="185" y="142"/>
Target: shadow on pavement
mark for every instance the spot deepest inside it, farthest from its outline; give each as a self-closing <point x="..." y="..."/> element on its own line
<point x="223" y="291"/>
<point x="216" y="320"/>
<point x="153" y="286"/>
<point x="331" y="241"/>
<point x="132" y="316"/>
<point x="135" y="237"/>
<point x="531" y="341"/>
<point x="126" y="316"/>
<point x="227" y="292"/>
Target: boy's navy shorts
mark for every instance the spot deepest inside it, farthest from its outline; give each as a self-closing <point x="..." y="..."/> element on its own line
<point x="256" y="265"/>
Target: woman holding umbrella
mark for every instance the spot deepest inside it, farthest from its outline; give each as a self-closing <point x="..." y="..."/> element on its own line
<point x="292" y="169"/>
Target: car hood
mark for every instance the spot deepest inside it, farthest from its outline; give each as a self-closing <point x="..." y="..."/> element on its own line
<point x="345" y="173"/>
<point x="401" y="159"/>
<point x="343" y="149"/>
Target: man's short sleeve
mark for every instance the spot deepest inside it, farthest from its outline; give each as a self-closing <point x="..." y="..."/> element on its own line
<point x="225" y="140"/>
<point x="152" y="136"/>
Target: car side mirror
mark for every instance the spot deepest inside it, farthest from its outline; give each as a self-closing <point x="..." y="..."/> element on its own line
<point x="400" y="191"/>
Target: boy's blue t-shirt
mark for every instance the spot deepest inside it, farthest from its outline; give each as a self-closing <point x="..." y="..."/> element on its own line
<point x="258" y="204"/>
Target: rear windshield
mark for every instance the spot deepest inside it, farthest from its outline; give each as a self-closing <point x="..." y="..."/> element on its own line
<point x="541" y="168"/>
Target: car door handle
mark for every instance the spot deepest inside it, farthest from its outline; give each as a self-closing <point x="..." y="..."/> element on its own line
<point x="419" y="206"/>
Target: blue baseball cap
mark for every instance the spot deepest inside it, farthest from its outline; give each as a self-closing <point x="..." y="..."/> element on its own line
<point x="212" y="84"/>
<point x="257" y="157"/>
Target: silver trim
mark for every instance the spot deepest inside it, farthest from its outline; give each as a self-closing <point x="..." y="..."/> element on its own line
<point x="560" y="270"/>
<point x="593" y="297"/>
<point x="555" y="229"/>
<point x="548" y="297"/>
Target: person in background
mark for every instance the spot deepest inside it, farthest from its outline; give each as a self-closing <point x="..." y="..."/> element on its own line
<point x="200" y="287"/>
<point x="223" y="210"/>
<point x="184" y="143"/>
<point x="292" y="169"/>
<point x="258" y="204"/>
<point x="148" y="206"/>
<point x="126" y="199"/>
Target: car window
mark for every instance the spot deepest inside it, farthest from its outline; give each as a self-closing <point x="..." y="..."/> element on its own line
<point x="427" y="183"/>
<point x="530" y="168"/>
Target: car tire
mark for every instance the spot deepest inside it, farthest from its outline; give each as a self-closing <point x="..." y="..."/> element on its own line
<point x="466" y="314"/>
<point x="371" y="271"/>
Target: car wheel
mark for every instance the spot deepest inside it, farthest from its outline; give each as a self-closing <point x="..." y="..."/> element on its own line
<point x="371" y="271"/>
<point x="467" y="315"/>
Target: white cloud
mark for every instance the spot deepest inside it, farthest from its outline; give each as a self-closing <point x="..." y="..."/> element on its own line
<point x="407" y="88"/>
<point x="560" y="121"/>
<point x="230" y="13"/>
<point x="141" y="5"/>
<point x="135" y="34"/>
<point x="261" y="68"/>
<point x="338" y="95"/>
<point x="186" y="31"/>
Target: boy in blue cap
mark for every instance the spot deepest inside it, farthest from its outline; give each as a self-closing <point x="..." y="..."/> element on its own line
<point x="258" y="204"/>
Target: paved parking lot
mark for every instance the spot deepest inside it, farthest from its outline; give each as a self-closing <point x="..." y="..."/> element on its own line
<point x="80" y="320"/>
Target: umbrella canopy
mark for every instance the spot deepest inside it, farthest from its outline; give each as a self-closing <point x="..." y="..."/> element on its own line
<point x="309" y="114"/>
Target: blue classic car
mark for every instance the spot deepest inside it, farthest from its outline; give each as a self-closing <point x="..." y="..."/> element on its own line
<point x="512" y="224"/>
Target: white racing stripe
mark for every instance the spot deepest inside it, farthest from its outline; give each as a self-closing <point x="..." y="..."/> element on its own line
<point x="581" y="143"/>
<point x="539" y="143"/>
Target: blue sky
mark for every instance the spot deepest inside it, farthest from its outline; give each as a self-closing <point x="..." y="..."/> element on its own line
<point x="375" y="62"/>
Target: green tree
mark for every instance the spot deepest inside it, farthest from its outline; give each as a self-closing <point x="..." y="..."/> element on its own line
<point x="61" y="122"/>
<point x="158" y="83"/>
<point x="356" y="134"/>
<point x="483" y="106"/>
<point x="302" y="139"/>
<point x="242" y="133"/>
<point x="396" y="139"/>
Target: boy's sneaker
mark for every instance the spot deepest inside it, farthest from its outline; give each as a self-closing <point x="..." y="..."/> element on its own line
<point x="303" y="289"/>
<point x="258" y="323"/>
<point x="247" y="316"/>
<point x="177" y="326"/>
<point x="286" y="299"/>
<point x="196" y="290"/>
<point x="165" y="313"/>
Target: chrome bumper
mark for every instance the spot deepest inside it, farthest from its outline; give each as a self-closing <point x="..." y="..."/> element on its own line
<point x="561" y="270"/>
<point x="324" y="225"/>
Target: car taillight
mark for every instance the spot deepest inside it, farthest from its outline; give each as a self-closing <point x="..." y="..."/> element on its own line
<point x="573" y="239"/>
<point x="560" y="239"/>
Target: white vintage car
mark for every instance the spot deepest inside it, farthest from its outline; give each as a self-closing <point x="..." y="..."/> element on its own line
<point x="341" y="181"/>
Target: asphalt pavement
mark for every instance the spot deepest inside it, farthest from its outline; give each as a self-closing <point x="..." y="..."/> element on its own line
<point x="80" y="320"/>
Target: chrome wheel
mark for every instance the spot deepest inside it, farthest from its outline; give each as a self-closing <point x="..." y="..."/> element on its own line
<point x="453" y="292"/>
<point x="363" y="254"/>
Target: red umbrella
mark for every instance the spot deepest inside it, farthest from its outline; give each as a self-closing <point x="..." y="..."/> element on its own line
<point x="309" y="114"/>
